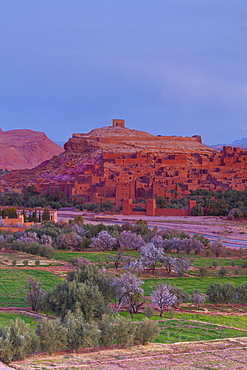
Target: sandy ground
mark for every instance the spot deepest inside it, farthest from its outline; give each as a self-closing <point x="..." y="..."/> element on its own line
<point x="228" y="354"/>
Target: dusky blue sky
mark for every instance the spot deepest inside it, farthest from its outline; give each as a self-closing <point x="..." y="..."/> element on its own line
<point x="170" y="67"/>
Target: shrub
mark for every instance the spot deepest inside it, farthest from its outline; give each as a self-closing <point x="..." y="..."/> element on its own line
<point x="217" y="247"/>
<point x="16" y="341"/>
<point x="215" y="293"/>
<point x="181" y="295"/>
<point x="148" y="311"/>
<point x="25" y="262"/>
<point x="146" y="331"/>
<point x="14" y="261"/>
<point x="241" y="293"/>
<point x="125" y="331"/>
<point x="203" y="271"/>
<point x="37" y="262"/>
<point x="236" y="271"/>
<point x="79" y="332"/>
<point x="107" y="331"/>
<point x="215" y="264"/>
<point x="53" y="336"/>
<point x="222" y="271"/>
<point x="218" y="293"/>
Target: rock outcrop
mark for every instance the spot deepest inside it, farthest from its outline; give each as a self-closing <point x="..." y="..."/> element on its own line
<point x="23" y="149"/>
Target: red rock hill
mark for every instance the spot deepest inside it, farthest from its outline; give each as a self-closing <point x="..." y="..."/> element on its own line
<point x="22" y="149"/>
<point x="116" y="163"/>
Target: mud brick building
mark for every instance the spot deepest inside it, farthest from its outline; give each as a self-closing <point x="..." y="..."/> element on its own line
<point x="125" y="165"/>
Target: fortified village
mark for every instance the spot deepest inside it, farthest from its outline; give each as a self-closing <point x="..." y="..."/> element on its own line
<point x="123" y="165"/>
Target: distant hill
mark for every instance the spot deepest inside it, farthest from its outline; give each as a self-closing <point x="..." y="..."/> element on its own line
<point x="242" y="143"/>
<point x="24" y="149"/>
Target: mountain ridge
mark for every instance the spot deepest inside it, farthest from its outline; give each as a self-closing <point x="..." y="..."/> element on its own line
<point x="25" y="149"/>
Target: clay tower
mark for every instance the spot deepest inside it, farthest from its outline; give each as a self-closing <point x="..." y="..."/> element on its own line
<point x="118" y="123"/>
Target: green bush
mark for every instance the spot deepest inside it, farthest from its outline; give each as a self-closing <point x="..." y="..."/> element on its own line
<point x="222" y="271"/>
<point x="218" y="293"/>
<point x="146" y="331"/>
<point x="203" y="271"/>
<point x="241" y="293"/>
<point x="16" y="341"/>
<point x="148" y="311"/>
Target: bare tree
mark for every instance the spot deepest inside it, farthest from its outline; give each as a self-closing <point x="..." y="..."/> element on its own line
<point x="169" y="263"/>
<point x="29" y="237"/>
<point x="162" y="297"/>
<point x="33" y="293"/>
<point x="217" y="247"/>
<point x="69" y="240"/>
<point x="103" y="241"/>
<point x="117" y="259"/>
<point x="132" y="241"/>
<point x="182" y="265"/>
<point x="150" y="256"/>
<point x="157" y="240"/>
<point x="190" y="244"/>
<point x="198" y="297"/>
<point x="129" y="292"/>
<point x="173" y="244"/>
<point x="133" y="265"/>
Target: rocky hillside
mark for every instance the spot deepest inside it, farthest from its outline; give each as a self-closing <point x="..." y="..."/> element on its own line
<point x="24" y="149"/>
<point x="84" y="153"/>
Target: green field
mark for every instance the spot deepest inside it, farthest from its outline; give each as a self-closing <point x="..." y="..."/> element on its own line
<point x="191" y="283"/>
<point x="208" y="261"/>
<point x="192" y="327"/>
<point x="95" y="257"/>
<point x="13" y="284"/>
<point x="185" y="330"/>
<point x="6" y="318"/>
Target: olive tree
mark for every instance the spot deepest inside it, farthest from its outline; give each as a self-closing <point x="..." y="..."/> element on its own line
<point x="52" y="335"/>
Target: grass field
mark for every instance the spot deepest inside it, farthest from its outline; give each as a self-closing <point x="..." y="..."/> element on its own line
<point x="183" y="327"/>
<point x="208" y="261"/>
<point x="95" y="257"/>
<point x="6" y="318"/>
<point x="13" y="284"/>
<point x="191" y="283"/>
<point x="186" y="330"/>
<point x="199" y="260"/>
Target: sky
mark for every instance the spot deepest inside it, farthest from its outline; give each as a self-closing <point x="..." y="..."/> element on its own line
<point x="169" y="67"/>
